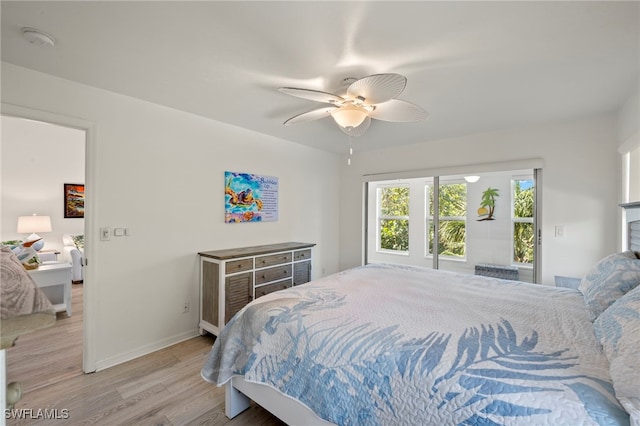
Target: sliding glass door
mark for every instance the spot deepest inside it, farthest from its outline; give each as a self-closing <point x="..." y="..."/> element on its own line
<point x="485" y="223"/>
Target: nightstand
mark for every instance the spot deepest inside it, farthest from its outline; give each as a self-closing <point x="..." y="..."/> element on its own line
<point x="54" y="279"/>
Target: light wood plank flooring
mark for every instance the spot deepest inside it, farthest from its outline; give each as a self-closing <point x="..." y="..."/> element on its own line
<point x="162" y="388"/>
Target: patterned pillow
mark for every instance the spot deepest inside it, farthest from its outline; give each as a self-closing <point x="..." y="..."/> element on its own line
<point x="19" y="290"/>
<point x="78" y="240"/>
<point x="618" y="330"/>
<point x="27" y="255"/>
<point x="609" y="280"/>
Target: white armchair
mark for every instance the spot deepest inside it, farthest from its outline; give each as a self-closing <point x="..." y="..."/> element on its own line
<point x="73" y="253"/>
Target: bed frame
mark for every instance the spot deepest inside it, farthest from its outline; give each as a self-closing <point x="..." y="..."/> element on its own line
<point x="239" y="392"/>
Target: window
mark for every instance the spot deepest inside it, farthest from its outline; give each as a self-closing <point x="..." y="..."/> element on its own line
<point x="452" y="217"/>
<point x="522" y="220"/>
<point x="393" y="218"/>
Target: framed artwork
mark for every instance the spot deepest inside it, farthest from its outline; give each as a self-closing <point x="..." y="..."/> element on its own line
<point x="73" y="200"/>
<point x="250" y="198"/>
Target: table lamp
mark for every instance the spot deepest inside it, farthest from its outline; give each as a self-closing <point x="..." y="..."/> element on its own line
<point x="32" y="224"/>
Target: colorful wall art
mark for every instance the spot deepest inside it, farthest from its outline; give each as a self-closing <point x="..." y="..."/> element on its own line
<point x="250" y="198"/>
<point x="73" y="200"/>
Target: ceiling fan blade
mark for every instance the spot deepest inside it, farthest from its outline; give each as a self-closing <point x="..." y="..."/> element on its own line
<point x="357" y="131"/>
<point x="398" y="111"/>
<point x="313" y="95"/>
<point x="378" y="88"/>
<point x="315" y="114"/>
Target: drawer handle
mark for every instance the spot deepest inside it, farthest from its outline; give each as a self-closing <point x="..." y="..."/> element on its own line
<point x="264" y="277"/>
<point x="285" y="272"/>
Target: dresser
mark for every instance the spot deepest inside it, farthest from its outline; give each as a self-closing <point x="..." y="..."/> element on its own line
<point x="231" y="278"/>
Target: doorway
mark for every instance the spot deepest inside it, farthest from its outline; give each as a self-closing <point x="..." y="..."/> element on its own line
<point x="45" y="152"/>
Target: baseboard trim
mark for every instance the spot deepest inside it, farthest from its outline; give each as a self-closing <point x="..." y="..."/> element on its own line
<point x="146" y="349"/>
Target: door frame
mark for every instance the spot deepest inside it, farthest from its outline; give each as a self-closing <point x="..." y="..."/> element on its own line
<point x="89" y="287"/>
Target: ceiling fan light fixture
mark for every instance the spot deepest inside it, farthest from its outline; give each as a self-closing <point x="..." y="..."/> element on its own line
<point x="349" y="116"/>
<point x="360" y="100"/>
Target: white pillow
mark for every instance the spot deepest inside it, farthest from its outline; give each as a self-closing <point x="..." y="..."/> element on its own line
<point x="618" y="330"/>
<point x="609" y="280"/>
<point x="67" y="240"/>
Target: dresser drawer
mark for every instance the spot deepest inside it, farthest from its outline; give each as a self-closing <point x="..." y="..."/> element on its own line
<point x="302" y="255"/>
<point x="238" y="266"/>
<point x="270" y="288"/>
<point x="273" y="259"/>
<point x="272" y="274"/>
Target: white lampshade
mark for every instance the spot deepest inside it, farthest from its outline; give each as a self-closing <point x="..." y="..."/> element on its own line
<point x="349" y="116"/>
<point x="33" y="224"/>
<point x="471" y="179"/>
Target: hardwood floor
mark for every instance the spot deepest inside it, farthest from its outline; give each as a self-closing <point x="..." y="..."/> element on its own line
<point x="162" y="388"/>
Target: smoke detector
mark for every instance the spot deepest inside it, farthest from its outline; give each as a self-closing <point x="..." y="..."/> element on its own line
<point x="37" y="37"/>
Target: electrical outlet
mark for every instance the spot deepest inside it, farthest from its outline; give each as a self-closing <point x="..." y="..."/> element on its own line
<point x="186" y="307"/>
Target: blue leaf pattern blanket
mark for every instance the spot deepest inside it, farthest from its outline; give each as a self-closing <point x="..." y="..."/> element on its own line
<point x="396" y="345"/>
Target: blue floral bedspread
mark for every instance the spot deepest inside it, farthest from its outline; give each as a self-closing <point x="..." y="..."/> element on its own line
<point x="394" y="345"/>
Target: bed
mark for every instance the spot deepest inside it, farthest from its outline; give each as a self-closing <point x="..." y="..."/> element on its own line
<point x="398" y="345"/>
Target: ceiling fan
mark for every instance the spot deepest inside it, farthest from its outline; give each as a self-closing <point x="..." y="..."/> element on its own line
<point x="363" y="99"/>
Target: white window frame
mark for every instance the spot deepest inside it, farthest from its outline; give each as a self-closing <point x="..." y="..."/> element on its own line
<point x="429" y="219"/>
<point x="380" y="217"/>
<point x="515" y="220"/>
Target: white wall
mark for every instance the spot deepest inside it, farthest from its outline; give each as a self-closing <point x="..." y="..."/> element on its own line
<point x="629" y="118"/>
<point x="37" y="160"/>
<point x="629" y="146"/>
<point x="633" y="174"/>
<point x="160" y="173"/>
<point x="579" y="186"/>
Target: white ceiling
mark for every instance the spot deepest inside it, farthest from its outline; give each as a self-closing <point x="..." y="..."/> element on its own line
<point x="475" y="66"/>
